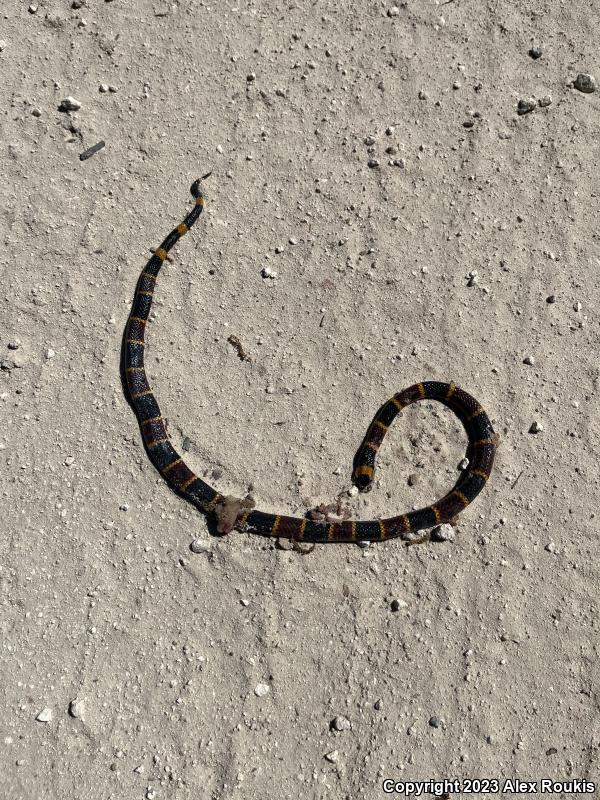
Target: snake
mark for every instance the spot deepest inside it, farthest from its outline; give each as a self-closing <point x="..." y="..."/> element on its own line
<point x="227" y="512"/>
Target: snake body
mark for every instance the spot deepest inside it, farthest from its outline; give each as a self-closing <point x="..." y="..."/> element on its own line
<point x="231" y="513"/>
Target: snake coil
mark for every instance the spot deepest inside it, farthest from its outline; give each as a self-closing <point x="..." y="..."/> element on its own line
<point x="231" y="512"/>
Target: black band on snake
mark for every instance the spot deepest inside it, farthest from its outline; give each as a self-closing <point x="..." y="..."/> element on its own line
<point x="229" y="512"/>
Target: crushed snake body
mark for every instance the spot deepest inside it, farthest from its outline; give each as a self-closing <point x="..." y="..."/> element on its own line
<point x="229" y="512"/>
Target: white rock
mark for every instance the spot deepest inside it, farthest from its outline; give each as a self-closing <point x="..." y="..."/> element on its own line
<point x="70" y="104"/>
<point x="341" y="723"/>
<point x="45" y="715"/>
<point x="444" y="533"/>
<point x="198" y="546"/>
<point x="76" y="708"/>
<point x="261" y="689"/>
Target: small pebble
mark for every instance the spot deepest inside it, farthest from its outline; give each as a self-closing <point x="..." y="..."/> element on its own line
<point x="378" y="705"/>
<point x="399" y="162"/>
<point x="397" y="604"/>
<point x="14" y="344"/>
<point x="551" y="299"/>
<point x="536" y="427"/>
<point x="436" y="722"/>
<point x="372" y="163"/>
<point x="369" y="141"/>
<point x="76" y="4"/>
<point x="76" y="708"/>
<point x="186" y="444"/>
<point x="32" y="9"/>
<point x="443" y="533"/>
<point x="45" y="715"/>
<point x="525" y="105"/>
<point x="545" y="101"/>
<point x="423" y="95"/>
<point x="251" y="77"/>
<point x="198" y="546"/>
<point x="267" y="272"/>
<point x="103" y="88"/>
<point x="69" y="461"/>
<point x="36" y="112"/>
<point x="585" y="83"/>
<point x="341" y="723"/>
<point x="529" y="360"/>
<point x="550" y="547"/>
<point x="261" y="689"/>
<point x="393" y="11"/>
<point x="535" y="53"/>
<point x="353" y="491"/>
<point x="389" y="131"/>
<point x="69" y="104"/>
<point x="364" y="544"/>
<point x="332" y="757"/>
<point x="50" y="353"/>
<point x="2" y="45"/>
<point x="456" y="85"/>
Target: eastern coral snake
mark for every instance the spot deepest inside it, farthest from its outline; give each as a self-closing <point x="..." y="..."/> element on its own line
<point x="229" y="512"/>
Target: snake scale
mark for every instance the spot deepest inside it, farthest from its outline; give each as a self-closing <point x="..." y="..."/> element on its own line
<point x="229" y="512"/>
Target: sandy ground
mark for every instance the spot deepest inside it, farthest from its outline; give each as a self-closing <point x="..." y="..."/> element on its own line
<point x="144" y="657"/>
